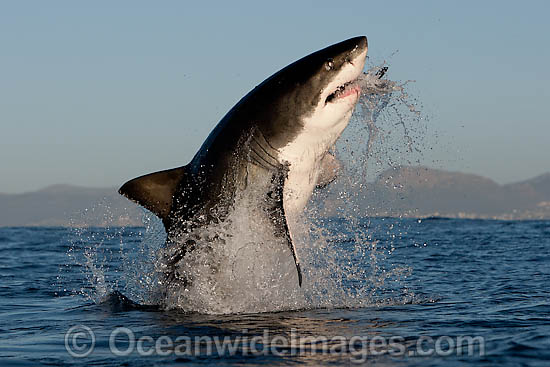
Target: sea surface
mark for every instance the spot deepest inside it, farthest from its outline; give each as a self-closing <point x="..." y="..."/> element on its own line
<point x="482" y="282"/>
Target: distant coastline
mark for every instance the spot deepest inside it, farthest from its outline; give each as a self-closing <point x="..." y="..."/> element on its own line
<point x="421" y="192"/>
<point x="409" y="192"/>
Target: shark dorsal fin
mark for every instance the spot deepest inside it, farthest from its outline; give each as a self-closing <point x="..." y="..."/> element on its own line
<point x="154" y="191"/>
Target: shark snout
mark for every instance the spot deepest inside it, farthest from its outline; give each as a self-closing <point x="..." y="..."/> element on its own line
<point x="357" y="47"/>
<point x="359" y="52"/>
<point x="354" y="53"/>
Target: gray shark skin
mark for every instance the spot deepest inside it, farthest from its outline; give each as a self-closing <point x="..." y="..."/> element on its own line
<point x="275" y="140"/>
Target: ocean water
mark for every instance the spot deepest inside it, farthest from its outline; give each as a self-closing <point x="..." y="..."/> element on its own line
<point x="432" y="292"/>
<point x="376" y="291"/>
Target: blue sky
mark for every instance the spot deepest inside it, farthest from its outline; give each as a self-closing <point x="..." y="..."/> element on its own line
<point x="99" y="92"/>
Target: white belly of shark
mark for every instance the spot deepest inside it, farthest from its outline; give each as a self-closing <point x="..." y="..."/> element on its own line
<point x="304" y="156"/>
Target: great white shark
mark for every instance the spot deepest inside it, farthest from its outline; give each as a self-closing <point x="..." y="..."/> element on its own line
<point x="274" y="143"/>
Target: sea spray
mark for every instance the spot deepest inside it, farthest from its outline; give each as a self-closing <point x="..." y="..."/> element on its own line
<point x="244" y="268"/>
<point x="113" y="257"/>
<point x="349" y="267"/>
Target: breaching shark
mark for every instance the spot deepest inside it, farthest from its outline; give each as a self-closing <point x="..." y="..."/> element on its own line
<point x="276" y="140"/>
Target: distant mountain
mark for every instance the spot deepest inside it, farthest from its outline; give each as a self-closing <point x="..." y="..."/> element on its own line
<point x="422" y="191"/>
<point x="66" y="205"/>
<point x="403" y="191"/>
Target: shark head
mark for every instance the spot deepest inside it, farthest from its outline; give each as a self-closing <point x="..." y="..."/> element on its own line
<point x="331" y="81"/>
<point x="317" y="91"/>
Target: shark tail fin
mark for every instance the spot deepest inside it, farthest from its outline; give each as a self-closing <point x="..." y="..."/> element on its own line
<point x="155" y="191"/>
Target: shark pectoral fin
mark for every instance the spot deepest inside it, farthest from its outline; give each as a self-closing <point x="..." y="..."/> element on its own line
<point x="299" y="274"/>
<point x="278" y="217"/>
<point x="298" y="269"/>
<point x="293" y="250"/>
<point x="284" y="231"/>
<point x="154" y="191"/>
<point x="329" y="170"/>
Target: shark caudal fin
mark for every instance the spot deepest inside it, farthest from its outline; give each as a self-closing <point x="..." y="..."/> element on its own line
<point x="154" y="191"/>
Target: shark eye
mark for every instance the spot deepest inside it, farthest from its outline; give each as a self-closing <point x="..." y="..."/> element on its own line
<point x="329" y="64"/>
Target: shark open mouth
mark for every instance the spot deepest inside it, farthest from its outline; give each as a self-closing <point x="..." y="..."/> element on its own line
<point x="343" y="91"/>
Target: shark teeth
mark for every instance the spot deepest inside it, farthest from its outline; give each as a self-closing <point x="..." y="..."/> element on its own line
<point x="339" y="91"/>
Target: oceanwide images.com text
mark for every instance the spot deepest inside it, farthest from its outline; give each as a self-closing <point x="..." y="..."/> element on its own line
<point x="80" y="342"/>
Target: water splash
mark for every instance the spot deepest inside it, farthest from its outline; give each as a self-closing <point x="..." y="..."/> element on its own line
<point x="244" y="268"/>
<point x="349" y="266"/>
<point x="388" y="118"/>
<point x="112" y="257"/>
